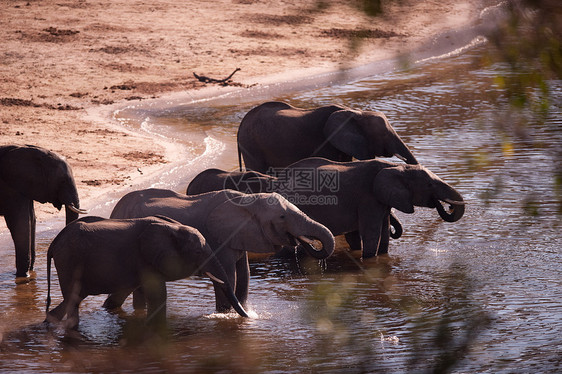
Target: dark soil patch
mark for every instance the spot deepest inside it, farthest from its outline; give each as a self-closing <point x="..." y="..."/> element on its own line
<point x="126" y="68"/>
<point x="124" y="87"/>
<point x="99" y="182"/>
<point x="277" y="20"/>
<point x="101" y="132"/>
<point x="358" y="33"/>
<point x="148" y="158"/>
<point x="58" y="32"/>
<point x="262" y="51"/>
<point x="9" y="101"/>
<point x="260" y="34"/>
<point x="113" y="50"/>
<point x="50" y="35"/>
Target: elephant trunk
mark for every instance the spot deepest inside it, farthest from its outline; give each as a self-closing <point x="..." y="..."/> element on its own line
<point x="404" y="153"/>
<point x="227" y="289"/>
<point x="71" y="213"/>
<point x="456" y="209"/>
<point x="397" y="225"/>
<point x="69" y="197"/>
<point x="310" y="230"/>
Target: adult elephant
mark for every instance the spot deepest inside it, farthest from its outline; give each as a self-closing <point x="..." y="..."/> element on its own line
<point x="276" y="134"/>
<point x="357" y="196"/>
<point x="233" y="223"/>
<point x="29" y="173"/>
<point x="96" y="256"/>
<point x="255" y="182"/>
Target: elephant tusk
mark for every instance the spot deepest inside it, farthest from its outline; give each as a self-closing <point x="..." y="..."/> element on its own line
<point x="454" y="202"/>
<point x="305" y="239"/>
<point x="214" y="278"/>
<point x="308" y="241"/>
<point x="76" y="210"/>
<point x="402" y="158"/>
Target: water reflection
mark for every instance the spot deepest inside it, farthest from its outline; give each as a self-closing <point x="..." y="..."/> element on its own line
<point x="491" y="280"/>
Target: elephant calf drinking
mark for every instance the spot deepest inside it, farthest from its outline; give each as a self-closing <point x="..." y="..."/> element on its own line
<point x="116" y="256"/>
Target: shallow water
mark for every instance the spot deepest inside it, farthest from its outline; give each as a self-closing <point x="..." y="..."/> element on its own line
<point x="491" y="280"/>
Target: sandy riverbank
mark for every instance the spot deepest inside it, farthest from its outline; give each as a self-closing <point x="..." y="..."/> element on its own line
<point x="60" y="60"/>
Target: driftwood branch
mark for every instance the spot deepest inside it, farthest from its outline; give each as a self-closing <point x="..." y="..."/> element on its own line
<point x="205" y="79"/>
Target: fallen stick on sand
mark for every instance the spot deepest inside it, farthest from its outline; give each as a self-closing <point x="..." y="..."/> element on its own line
<point x="205" y="79"/>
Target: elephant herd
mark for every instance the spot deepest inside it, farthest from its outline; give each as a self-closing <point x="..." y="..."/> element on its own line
<point x="301" y="187"/>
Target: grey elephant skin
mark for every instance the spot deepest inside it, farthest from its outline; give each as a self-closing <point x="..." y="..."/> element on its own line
<point x="276" y="134"/>
<point x="255" y="182"/>
<point x="216" y="179"/>
<point x="364" y="195"/>
<point x="27" y="174"/>
<point x="233" y="223"/>
<point x="96" y="256"/>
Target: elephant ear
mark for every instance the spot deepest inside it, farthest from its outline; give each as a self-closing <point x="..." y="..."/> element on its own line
<point x="343" y="132"/>
<point x="25" y="168"/>
<point x="34" y="172"/>
<point x="391" y="189"/>
<point x="158" y="246"/>
<point x="232" y="224"/>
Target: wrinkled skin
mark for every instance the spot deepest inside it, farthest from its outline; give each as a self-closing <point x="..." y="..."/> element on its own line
<point x="27" y="174"/>
<point x="365" y="192"/>
<point x="276" y="134"/>
<point x="233" y="223"/>
<point x="255" y="182"/>
<point x="96" y="256"/>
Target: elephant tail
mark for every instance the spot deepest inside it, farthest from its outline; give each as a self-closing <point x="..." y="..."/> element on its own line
<point x="49" y="258"/>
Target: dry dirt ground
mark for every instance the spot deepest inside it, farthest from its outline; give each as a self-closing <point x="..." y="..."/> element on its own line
<point x="59" y="58"/>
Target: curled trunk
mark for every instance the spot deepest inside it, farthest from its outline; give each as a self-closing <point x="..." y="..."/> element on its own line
<point x="310" y="230"/>
<point x="396" y="225"/>
<point x="455" y="211"/>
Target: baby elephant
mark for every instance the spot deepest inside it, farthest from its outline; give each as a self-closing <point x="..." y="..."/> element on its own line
<point x="116" y="256"/>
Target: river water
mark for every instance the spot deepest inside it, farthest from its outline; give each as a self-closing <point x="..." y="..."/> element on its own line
<point x="486" y="288"/>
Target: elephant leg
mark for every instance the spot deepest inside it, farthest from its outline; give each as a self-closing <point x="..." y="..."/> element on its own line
<point x="116" y="299"/>
<point x="242" y="279"/>
<point x="354" y="240"/>
<point x="33" y="222"/>
<point x="156" y="304"/>
<point x="222" y="304"/>
<point x="73" y="296"/>
<point x="385" y="236"/>
<point x="372" y="219"/>
<point x="139" y="299"/>
<point x="72" y="317"/>
<point x="230" y="265"/>
<point x="19" y="222"/>
<point x="57" y="314"/>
